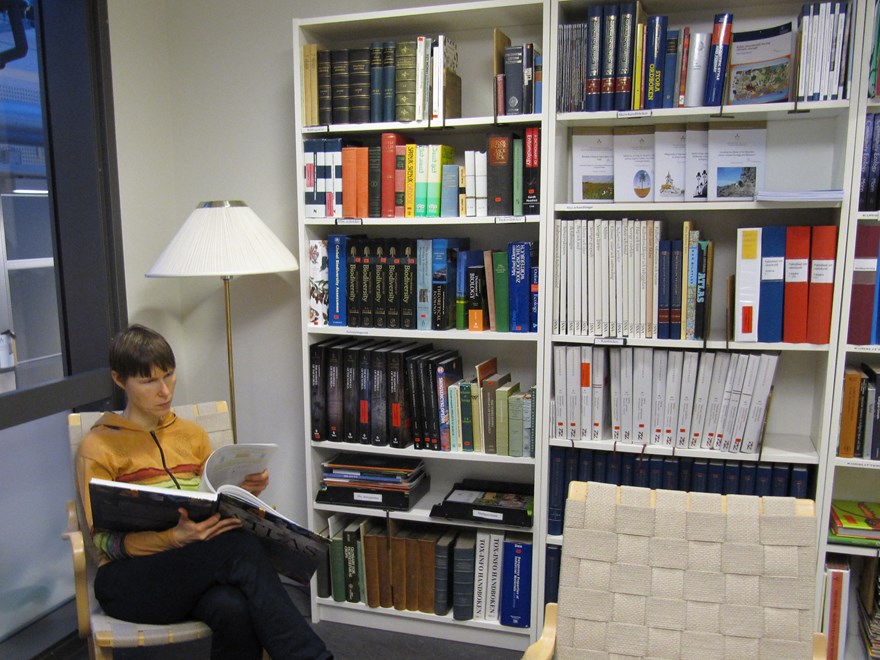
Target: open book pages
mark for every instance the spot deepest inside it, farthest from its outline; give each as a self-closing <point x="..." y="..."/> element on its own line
<point x="230" y="464"/>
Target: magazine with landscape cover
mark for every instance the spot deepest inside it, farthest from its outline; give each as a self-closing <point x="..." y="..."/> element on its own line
<point x="295" y="551"/>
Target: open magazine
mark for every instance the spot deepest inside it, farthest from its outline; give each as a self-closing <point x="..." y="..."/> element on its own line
<point x="295" y="551"/>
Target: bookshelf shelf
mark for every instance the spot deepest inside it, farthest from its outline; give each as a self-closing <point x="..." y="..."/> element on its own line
<point x="468" y="456"/>
<point x="692" y="208"/>
<point x="861" y="463"/>
<point x="422" y="222"/>
<point x="776" y="112"/>
<point x="854" y="550"/>
<point x="427" y="335"/>
<point x="692" y="344"/>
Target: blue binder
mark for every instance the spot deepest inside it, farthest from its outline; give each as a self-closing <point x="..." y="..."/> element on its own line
<point x="772" y="283"/>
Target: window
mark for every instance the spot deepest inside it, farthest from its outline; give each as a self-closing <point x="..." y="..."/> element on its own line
<point x="61" y="282"/>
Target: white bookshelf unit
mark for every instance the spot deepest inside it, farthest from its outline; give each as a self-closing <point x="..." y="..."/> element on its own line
<point x="810" y="146"/>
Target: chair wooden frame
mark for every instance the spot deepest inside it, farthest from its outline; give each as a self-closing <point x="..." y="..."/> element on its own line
<point x="104" y="633"/>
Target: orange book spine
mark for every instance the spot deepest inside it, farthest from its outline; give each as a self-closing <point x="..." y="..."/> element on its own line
<point x="797" y="266"/>
<point x="849" y="416"/>
<point x="823" y="251"/>
<point x="349" y="182"/>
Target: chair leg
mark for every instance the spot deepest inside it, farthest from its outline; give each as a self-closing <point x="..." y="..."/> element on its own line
<point x="99" y="652"/>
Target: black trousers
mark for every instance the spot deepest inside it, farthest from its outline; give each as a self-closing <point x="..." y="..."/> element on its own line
<point x="227" y="582"/>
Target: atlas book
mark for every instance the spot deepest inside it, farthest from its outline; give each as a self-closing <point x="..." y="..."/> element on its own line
<point x="124" y="507"/>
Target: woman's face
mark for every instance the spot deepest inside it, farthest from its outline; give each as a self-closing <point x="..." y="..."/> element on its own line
<point x="149" y="397"/>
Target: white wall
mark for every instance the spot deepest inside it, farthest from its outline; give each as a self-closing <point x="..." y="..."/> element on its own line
<point x="203" y="93"/>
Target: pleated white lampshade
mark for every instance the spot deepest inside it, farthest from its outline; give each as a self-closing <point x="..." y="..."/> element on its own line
<point x="223" y="239"/>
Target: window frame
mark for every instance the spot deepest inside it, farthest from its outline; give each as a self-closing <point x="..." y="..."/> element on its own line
<point x="74" y="49"/>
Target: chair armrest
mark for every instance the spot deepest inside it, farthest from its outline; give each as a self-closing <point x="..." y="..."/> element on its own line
<point x="80" y="576"/>
<point x="543" y="648"/>
<point x="820" y="646"/>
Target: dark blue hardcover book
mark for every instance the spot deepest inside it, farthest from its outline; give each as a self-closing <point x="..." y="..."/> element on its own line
<point x="556" y="491"/>
<point x="337" y="280"/>
<point x="699" y="475"/>
<point x="552" y="561"/>
<point x="719" y="53"/>
<point x="444" y="265"/>
<point x="626" y="35"/>
<point x="800" y="480"/>
<point x="685" y="468"/>
<point x="585" y="465"/>
<point x="669" y="62"/>
<point x="642" y="467"/>
<point x="866" y="162"/>
<point x="594" y="44"/>
<point x="533" y="292"/>
<point x="663" y="289"/>
<point x="389" y="71"/>
<point x="874" y="168"/>
<point x="376" y="81"/>
<point x="571" y="469"/>
<point x="731" y="478"/>
<point x="763" y="479"/>
<point x="608" y="60"/>
<point x="612" y="469"/>
<point x="779" y="483"/>
<point x="772" y="283"/>
<point x="715" y="477"/>
<point x="655" y="60"/>
<point x="519" y="265"/>
<point x="655" y="472"/>
<point x="600" y="463"/>
<point x="675" y="265"/>
<point x="747" y="473"/>
<point x="514" y="71"/>
<point x="516" y="581"/>
<point x="670" y="473"/>
<point x="628" y="470"/>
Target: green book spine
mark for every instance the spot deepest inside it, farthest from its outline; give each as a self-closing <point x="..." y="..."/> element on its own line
<point x="337" y="568"/>
<point x="502" y="297"/>
<point x="518" y="165"/>
<point x="515" y="424"/>
<point x="467" y="418"/>
<point x="502" y="417"/>
<point x="533" y="409"/>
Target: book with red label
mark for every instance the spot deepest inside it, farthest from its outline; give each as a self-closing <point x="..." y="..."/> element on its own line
<point x="823" y="249"/>
<point x="500" y="174"/>
<point x="390" y="142"/>
<point x="797" y="286"/>
<point x="864" y="283"/>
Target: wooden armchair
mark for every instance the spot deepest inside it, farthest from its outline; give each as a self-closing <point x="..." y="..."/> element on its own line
<point x="672" y="574"/>
<point x="105" y="633"/>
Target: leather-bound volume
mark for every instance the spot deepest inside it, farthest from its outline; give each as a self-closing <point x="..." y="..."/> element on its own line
<point x="359" y="85"/>
<point x="427" y="565"/>
<point x="339" y="84"/>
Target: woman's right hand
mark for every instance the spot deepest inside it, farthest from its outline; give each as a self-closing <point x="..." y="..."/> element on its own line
<point x="188" y="531"/>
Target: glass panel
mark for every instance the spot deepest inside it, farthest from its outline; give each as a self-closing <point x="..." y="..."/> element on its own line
<point x="30" y="333"/>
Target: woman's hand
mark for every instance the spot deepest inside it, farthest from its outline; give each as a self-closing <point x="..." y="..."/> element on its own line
<point x="188" y="531"/>
<point x="256" y="483"/>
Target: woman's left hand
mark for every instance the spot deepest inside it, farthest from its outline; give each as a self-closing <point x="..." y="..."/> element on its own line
<point x="256" y="483"/>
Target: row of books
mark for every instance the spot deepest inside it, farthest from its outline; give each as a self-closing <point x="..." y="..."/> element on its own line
<point x="692" y="162"/>
<point x="404" y="81"/>
<point x="402" y="393"/>
<point x="858" y="521"/>
<point x="422" y="284"/>
<point x="864" y="307"/>
<point x="475" y="574"/>
<point x="712" y="400"/>
<point x="622" y="59"/>
<point x="621" y="278"/>
<point x="859" y="423"/>
<point x="398" y="178"/>
<point x="869" y="183"/>
<point x="518" y="83"/>
<point x="868" y="603"/>
<point x="731" y="477"/>
<point x="784" y="283"/>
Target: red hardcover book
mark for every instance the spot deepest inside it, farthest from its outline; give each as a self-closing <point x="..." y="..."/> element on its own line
<point x="349" y="182"/>
<point x="797" y="268"/>
<point x="389" y="159"/>
<point x="861" y="306"/>
<point x="823" y="250"/>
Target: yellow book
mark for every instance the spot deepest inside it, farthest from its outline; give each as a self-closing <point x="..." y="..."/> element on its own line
<point x="638" y="65"/>
<point x="409" y="190"/>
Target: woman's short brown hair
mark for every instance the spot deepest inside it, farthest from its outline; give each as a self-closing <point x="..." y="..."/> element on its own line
<point x="137" y="349"/>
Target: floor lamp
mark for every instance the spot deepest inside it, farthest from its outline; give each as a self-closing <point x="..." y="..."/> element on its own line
<point x="224" y="239"/>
